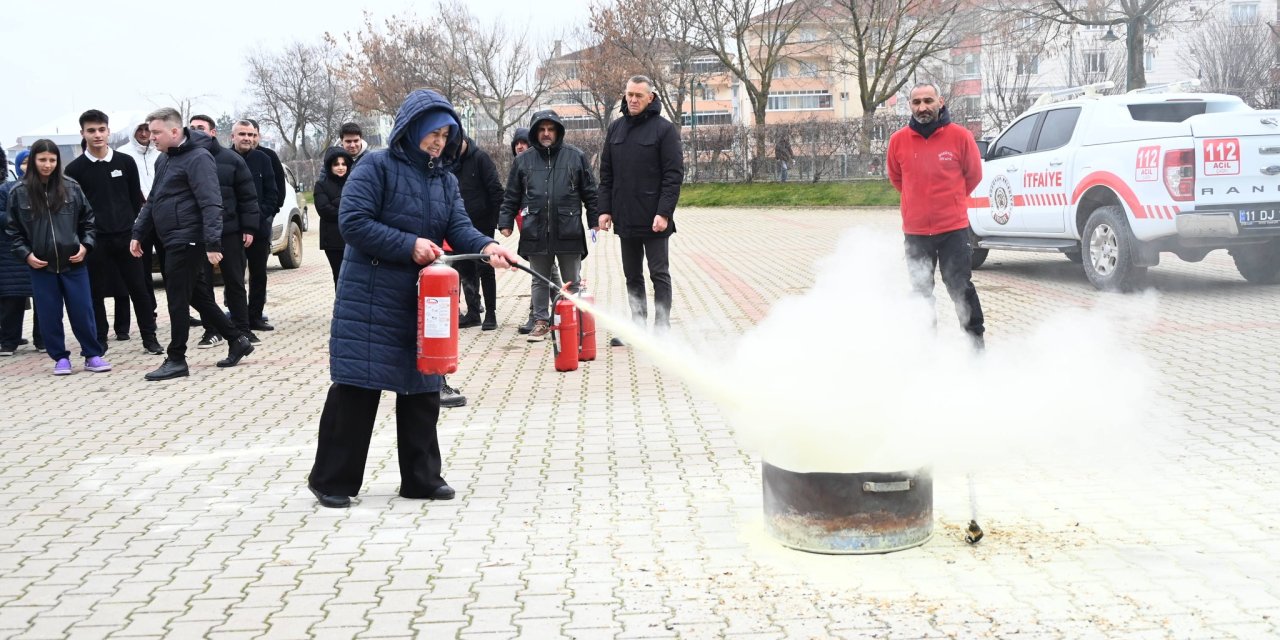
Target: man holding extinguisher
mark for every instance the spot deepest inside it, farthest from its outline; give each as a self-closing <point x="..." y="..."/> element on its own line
<point x="398" y="207"/>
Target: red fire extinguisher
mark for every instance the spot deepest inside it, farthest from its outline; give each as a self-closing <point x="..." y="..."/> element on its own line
<point x="438" y="319"/>
<point x="565" y="335"/>
<point x="586" y="328"/>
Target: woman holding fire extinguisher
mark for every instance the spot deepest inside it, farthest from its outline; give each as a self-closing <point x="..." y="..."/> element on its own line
<point x="398" y="206"/>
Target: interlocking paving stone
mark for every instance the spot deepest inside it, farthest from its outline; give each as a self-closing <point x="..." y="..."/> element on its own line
<point x="616" y="502"/>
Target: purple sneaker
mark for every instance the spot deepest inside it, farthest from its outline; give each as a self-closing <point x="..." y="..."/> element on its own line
<point x="62" y="368"/>
<point x="95" y="364"/>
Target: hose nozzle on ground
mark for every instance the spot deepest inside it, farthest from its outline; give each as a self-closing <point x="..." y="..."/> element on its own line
<point x="973" y="533"/>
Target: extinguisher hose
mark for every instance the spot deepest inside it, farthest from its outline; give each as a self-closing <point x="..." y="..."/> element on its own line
<point x="459" y="257"/>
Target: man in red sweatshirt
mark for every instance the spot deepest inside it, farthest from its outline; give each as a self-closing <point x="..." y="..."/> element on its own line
<point x="935" y="165"/>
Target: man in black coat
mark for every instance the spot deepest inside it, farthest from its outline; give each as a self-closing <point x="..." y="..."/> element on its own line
<point x="112" y="184"/>
<point x="641" y="170"/>
<point x="270" y="200"/>
<point x="241" y="218"/>
<point x="550" y="184"/>
<point x="185" y="212"/>
<point x="482" y="196"/>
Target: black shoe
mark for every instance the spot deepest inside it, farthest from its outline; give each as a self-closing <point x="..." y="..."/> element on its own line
<point x="261" y="325"/>
<point x="616" y="342"/>
<point x="151" y="345"/>
<point x="490" y="323"/>
<point x="332" y="502"/>
<point x="468" y="321"/>
<point x="22" y="341"/>
<point x="193" y="321"/>
<point x="450" y="397"/>
<point x="253" y="339"/>
<point x="240" y="347"/>
<point x="443" y="492"/>
<point x="526" y="328"/>
<point x="209" y="340"/>
<point x="169" y="370"/>
<point x="121" y="337"/>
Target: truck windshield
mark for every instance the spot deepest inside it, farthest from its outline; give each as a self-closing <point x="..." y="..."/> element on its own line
<point x="1166" y="111"/>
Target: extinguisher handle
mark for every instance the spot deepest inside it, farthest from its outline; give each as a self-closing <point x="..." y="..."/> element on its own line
<point x="459" y="257"/>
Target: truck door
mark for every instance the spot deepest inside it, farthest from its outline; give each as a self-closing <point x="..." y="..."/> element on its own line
<point x="1237" y="167"/>
<point x="1045" y="179"/>
<point x="1001" y="187"/>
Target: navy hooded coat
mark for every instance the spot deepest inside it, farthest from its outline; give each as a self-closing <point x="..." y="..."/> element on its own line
<point x="393" y="197"/>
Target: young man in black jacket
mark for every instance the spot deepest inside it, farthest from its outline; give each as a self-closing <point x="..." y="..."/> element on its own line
<point x="240" y="218"/>
<point x="269" y="203"/>
<point x="111" y="183"/>
<point x="482" y="196"/>
<point x="641" y="170"/>
<point x="185" y="212"/>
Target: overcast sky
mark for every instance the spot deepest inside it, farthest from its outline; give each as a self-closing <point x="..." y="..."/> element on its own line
<point x="61" y="57"/>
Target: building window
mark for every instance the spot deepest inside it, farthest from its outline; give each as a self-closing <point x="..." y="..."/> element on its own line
<point x="970" y="107"/>
<point x="1028" y="64"/>
<point x="1244" y="13"/>
<point x="1095" y="62"/>
<point x="709" y="118"/>
<point x="970" y="66"/>
<point x="807" y="69"/>
<point x="805" y="34"/>
<point x="783" y="70"/>
<point x="708" y="92"/>
<point x="1149" y="60"/>
<point x="799" y="100"/>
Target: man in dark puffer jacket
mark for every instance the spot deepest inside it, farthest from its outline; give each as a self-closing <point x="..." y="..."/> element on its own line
<point x="185" y="211"/>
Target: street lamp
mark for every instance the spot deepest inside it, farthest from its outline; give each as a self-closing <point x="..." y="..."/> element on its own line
<point x="1109" y="36"/>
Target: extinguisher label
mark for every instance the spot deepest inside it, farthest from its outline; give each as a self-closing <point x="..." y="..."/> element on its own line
<point x="436" y="314"/>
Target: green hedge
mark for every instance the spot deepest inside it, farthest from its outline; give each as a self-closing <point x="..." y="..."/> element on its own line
<point x="864" y="193"/>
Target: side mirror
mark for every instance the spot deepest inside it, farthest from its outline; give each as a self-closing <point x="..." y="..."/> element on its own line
<point x="983" y="145"/>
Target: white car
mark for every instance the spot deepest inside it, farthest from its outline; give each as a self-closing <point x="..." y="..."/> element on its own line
<point x="289" y="224"/>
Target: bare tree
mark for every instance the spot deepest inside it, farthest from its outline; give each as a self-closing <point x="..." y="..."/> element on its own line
<point x="884" y="42"/>
<point x="496" y="67"/>
<point x="1138" y="19"/>
<point x="299" y="94"/>
<point x="385" y="63"/>
<point x="1233" y="58"/>
<point x="588" y="77"/>
<point x="658" y="39"/>
<point x="750" y="38"/>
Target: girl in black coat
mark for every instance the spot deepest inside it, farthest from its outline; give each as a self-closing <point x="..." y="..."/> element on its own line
<point x="328" y="197"/>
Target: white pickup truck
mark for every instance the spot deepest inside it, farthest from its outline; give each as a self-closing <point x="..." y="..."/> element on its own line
<point x="1114" y="181"/>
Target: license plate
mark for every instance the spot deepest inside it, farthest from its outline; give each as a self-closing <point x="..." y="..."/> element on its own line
<point x="1259" y="217"/>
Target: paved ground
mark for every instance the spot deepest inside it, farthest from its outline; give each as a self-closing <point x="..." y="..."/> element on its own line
<point x="612" y="502"/>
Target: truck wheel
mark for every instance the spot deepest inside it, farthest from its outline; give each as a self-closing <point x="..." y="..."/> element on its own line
<point x="291" y="257"/>
<point x="1108" y="250"/>
<point x="978" y="256"/>
<point x="1260" y="263"/>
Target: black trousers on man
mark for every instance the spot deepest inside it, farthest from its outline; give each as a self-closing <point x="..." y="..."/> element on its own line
<point x="184" y="269"/>
<point x="257" y="254"/>
<point x="109" y="260"/>
<point x="635" y="251"/>
<point x="952" y="251"/>
<point x="233" y="291"/>
<point x="475" y="276"/>
<point x="346" y="427"/>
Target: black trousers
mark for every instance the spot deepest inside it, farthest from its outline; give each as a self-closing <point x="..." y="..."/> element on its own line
<point x="473" y="277"/>
<point x="952" y="251"/>
<point x="233" y="292"/>
<point x="184" y="269"/>
<point x="346" y="427"/>
<point x="110" y="262"/>
<point x="335" y="263"/>
<point x="634" y="253"/>
<point x="257" y="256"/>
<point x="12" y="310"/>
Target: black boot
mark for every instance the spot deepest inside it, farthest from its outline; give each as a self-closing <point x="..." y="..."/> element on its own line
<point x="169" y="370"/>
<point x="526" y="327"/>
<point x="490" y="322"/>
<point x="469" y="320"/>
<point x="240" y="347"/>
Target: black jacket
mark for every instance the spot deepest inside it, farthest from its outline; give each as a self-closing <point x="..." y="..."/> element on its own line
<point x="551" y="185"/>
<point x="481" y="188"/>
<point x="641" y="170"/>
<point x="52" y="238"/>
<point x="277" y="172"/>
<point x="185" y="206"/>
<point x="264" y="184"/>
<point x="328" y="199"/>
<point x="240" y="213"/>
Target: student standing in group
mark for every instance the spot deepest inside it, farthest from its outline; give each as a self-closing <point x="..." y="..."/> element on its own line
<point x="15" y="277"/>
<point x="328" y="199"/>
<point x="110" y="181"/>
<point x="51" y="224"/>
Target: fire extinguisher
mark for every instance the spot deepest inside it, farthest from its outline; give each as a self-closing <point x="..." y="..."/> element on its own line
<point x="565" y="336"/>
<point x="438" y="319"/>
<point x="586" y="328"/>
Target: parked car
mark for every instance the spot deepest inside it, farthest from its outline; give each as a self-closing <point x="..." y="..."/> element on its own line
<point x="289" y="224"/>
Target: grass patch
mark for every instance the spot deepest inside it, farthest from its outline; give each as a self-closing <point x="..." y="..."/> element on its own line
<point x="863" y="193"/>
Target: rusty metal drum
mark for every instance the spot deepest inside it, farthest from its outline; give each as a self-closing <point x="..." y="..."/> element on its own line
<point x="848" y="513"/>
